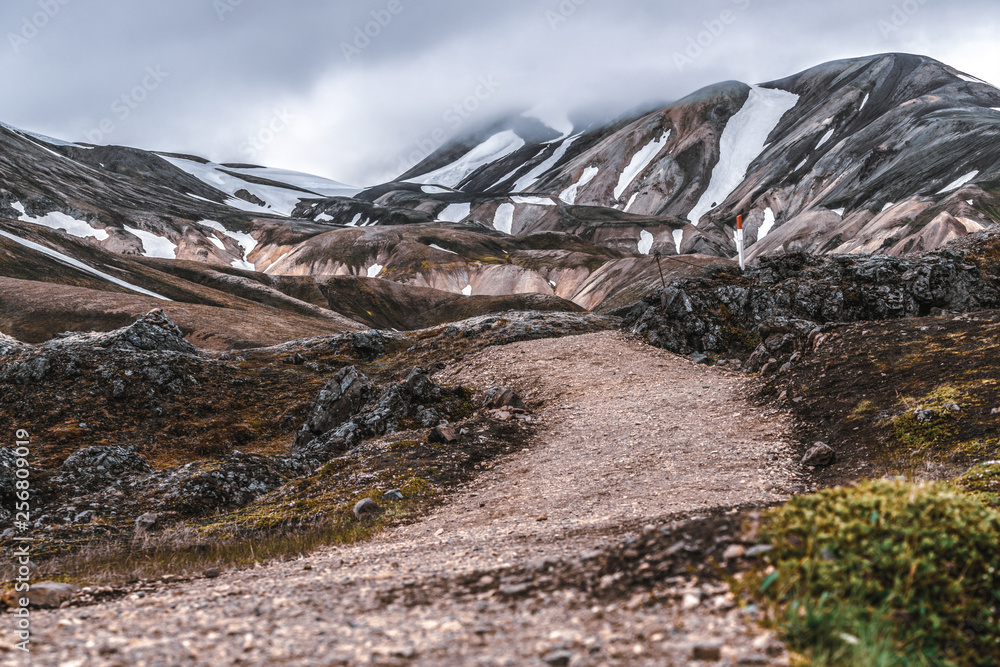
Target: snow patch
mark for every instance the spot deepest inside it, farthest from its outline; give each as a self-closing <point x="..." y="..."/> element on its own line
<point x="840" y="211"/>
<point x="631" y="200"/>
<point x="645" y="242"/>
<point x="639" y="162"/>
<point x="955" y="185"/>
<point x="532" y="176"/>
<point x="741" y="143"/>
<point x="217" y="243"/>
<point x="80" y="265"/>
<point x="678" y="239"/>
<point x="570" y="194"/>
<point x="324" y="217"/>
<point x="437" y="247"/>
<point x="504" y="219"/>
<point x="435" y="190"/>
<point x="495" y="148"/>
<point x="887" y="206"/>
<point x="864" y="102"/>
<point x="374" y="270"/>
<point x="533" y="201"/>
<point x="153" y="245"/>
<point x="467" y="291"/>
<point x="63" y="222"/>
<point x="279" y="200"/>
<point x="455" y="213"/>
<point x="767" y="225"/>
<point x="356" y="220"/>
<point x="245" y="241"/>
<point x="826" y="137"/>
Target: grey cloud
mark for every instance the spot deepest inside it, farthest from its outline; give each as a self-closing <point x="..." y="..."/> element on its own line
<point x="232" y="66"/>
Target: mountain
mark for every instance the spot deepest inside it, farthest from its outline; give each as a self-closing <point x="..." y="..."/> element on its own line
<point x="894" y="154"/>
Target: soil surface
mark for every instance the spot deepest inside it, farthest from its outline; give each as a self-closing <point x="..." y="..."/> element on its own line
<point x="538" y="560"/>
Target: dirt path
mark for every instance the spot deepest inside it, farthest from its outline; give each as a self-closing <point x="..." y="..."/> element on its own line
<point x="628" y="435"/>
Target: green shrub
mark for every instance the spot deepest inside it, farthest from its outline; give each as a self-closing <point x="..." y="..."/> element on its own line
<point x="984" y="482"/>
<point x="907" y="572"/>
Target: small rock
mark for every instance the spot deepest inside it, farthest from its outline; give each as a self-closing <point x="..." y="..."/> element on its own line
<point x="699" y="358"/>
<point x="734" y="551"/>
<point x="395" y="494"/>
<point x="442" y="434"/>
<point x="995" y="411"/>
<point x="691" y="601"/>
<point x="147" y="521"/>
<point x="753" y="659"/>
<point x="212" y="573"/>
<point x="707" y="652"/>
<point x="366" y="508"/>
<point x="501" y="397"/>
<point x="820" y="455"/>
<point x="558" y="658"/>
<point x="753" y="552"/>
<point x="542" y="517"/>
<point x="43" y="595"/>
<point x="924" y="415"/>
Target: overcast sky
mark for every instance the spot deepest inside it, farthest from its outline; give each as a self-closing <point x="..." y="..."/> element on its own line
<point x="298" y="84"/>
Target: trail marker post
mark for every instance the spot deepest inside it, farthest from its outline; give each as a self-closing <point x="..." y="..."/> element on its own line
<point x="740" y="242"/>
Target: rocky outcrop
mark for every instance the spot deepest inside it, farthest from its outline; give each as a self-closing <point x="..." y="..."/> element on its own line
<point x="153" y="332"/>
<point x="772" y="308"/>
<point x="348" y="410"/>
<point x="94" y="469"/>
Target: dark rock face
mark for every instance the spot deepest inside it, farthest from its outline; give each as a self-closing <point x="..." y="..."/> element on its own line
<point x="774" y="306"/>
<point x="349" y="410"/>
<point x="342" y="397"/>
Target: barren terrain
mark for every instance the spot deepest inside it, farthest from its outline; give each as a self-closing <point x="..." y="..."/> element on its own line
<point x="632" y="441"/>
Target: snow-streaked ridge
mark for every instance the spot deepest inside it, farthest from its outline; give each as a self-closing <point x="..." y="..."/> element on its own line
<point x="495" y="148"/>
<point x="640" y="161"/>
<point x="80" y="265"/>
<point x="741" y="143"/>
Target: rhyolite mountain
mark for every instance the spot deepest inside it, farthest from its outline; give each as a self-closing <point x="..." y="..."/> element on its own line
<point x="894" y="154"/>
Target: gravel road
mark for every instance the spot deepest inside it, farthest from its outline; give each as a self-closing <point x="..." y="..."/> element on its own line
<point x="630" y="437"/>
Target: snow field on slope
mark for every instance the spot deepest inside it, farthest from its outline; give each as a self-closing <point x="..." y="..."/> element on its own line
<point x="955" y="185"/>
<point x="767" y="225"/>
<point x="741" y="143"/>
<point x="504" y="219"/>
<point x="80" y="265"/>
<point x="63" y="222"/>
<point x="570" y="194"/>
<point x="639" y="162"/>
<point x="154" y="246"/>
<point x="455" y="213"/>
<point x="281" y="201"/>
<point x="532" y="176"/>
<point x="495" y="148"/>
<point x="245" y="241"/>
<point x="645" y="242"/>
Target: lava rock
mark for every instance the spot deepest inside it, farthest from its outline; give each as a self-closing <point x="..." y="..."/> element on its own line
<point x="501" y="397"/>
<point x="443" y="434"/>
<point x="95" y="468"/>
<point x="342" y="397"/>
<point x="820" y="455"/>
<point x="395" y="494"/>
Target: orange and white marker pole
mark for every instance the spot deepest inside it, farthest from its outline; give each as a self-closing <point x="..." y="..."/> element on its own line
<point x="740" y="242"/>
